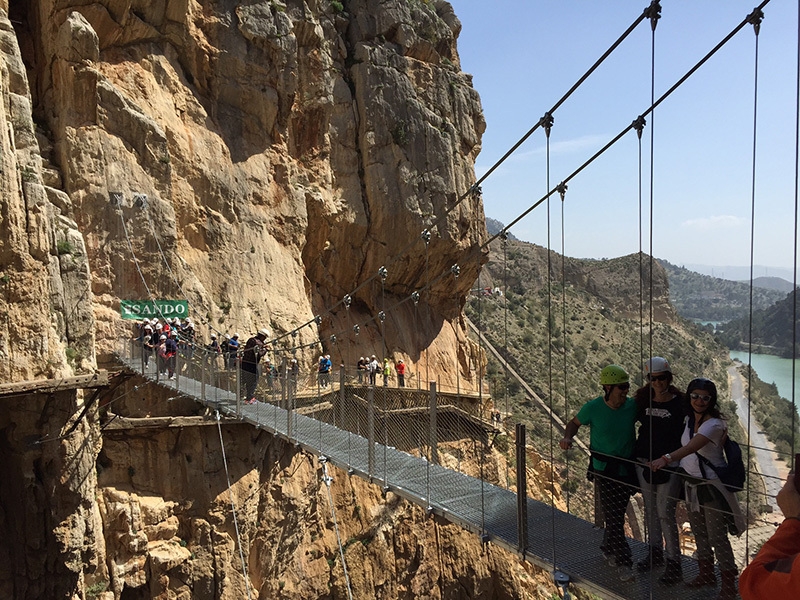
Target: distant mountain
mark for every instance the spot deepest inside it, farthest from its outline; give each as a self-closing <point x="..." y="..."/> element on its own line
<point x="493" y="226"/>
<point x="740" y="273"/>
<point x="772" y="283"/>
<point x="772" y="330"/>
<point x="706" y="298"/>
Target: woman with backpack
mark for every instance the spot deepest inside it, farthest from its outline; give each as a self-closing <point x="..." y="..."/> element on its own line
<point x="713" y="509"/>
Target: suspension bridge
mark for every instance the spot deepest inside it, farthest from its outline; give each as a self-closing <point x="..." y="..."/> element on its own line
<point x="393" y="437"/>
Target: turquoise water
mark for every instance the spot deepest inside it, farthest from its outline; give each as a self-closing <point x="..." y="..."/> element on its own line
<point x="774" y="369"/>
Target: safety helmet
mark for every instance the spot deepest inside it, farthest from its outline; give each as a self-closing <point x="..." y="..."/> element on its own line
<point x="159" y="326"/>
<point x="148" y="326"/>
<point x="701" y="383"/>
<point x="213" y="336"/>
<point x="657" y="364"/>
<point x="162" y="338"/>
<point x="613" y="374"/>
<point x="263" y="332"/>
<point x="235" y="336"/>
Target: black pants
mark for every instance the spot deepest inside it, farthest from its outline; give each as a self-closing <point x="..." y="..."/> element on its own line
<point x="614" y="497"/>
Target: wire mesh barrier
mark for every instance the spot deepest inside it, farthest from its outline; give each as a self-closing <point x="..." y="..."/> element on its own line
<point x="450" y="453"/>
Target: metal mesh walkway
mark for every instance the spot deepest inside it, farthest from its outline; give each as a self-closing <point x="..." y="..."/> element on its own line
<point x="556" y="540"/>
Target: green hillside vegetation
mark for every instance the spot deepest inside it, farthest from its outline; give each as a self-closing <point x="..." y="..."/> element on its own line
<point x="593" y="321"/>
<point x="705" y="298"/>
<point x="772" y="330"/>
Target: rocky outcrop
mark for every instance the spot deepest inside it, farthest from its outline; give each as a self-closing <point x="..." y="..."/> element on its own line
<point x="264" y="159"/>
<point x="261" y="159"/>
<point x="170" y="530"/>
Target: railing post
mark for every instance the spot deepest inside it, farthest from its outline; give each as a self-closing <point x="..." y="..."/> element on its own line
<point x="341" y="397"/>
<point x="203" y="376"/>
<point x="238" y="389"/>
<point x="371" y="430"/>
<point x="432" y="432"/>
<point x="522" y="491"/>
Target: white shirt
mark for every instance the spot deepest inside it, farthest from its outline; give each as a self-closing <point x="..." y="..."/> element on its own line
<point x="714" y="430"/>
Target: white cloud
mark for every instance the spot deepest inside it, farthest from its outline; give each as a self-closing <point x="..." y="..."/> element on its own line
<point x="715" y="223"/>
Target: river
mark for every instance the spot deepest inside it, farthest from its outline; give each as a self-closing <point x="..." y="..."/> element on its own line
<point x="774" y="369"/>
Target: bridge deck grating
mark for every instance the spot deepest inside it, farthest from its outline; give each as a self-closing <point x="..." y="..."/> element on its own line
<point x="554" y="536"/>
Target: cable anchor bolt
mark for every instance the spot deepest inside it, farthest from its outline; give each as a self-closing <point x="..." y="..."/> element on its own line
<point x="415" y="297"/>
<point x="547" y="122"/>
<point x="653" y="12"/>
<point x="348" y="300"/>
<point x="356" y="329"/>
<point x="755" y="18"/>
<point x="384" y="273"/>
<point x="426" y="236"/>
<point x="638" y="124"/>
<point x="561" y="188"/>
<point x="455" y="270"/>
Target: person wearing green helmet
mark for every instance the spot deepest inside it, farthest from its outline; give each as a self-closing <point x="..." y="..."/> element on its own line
<point x="611" y="419"/>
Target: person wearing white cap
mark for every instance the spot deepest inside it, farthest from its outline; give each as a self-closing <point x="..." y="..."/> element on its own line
<point x="254" y="349"/>
<point x="147" y="342"/>
<point x="361" y="366"/>
<point x="660" y="410"/>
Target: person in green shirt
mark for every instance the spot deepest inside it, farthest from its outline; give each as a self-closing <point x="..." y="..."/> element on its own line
<point x="611" y="419"/>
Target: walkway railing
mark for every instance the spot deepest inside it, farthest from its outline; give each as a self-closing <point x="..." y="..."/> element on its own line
<point x="445" y="452"/>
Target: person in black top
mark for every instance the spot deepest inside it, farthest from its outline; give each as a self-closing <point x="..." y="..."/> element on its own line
<point x="661" y="410"/>
<point x="254" y="349"/>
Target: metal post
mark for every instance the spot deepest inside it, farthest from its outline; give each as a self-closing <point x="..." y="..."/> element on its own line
<point x="432" y="432"/>
<point x="290" y="405"/>
<point x="238" y="389"/>
<point x="341" y="398"/>
<point x="522" y="491"/>
<point x="371" y="430"/>
<point x="203" y="377"/>
<point x="284" y="382"/>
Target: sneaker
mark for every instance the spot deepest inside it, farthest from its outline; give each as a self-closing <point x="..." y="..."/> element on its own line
<point x="626" y="573"/>
<point x="172" y="376"/>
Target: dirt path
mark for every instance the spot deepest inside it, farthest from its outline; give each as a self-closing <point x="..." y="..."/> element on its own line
<point x="773" y="471"/>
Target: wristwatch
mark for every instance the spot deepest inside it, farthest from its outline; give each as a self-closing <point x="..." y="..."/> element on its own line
<point x="668" y="456"/>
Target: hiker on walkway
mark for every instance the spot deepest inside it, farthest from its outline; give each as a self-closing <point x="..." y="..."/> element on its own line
<point x="171" y="352"/>
<point x="324" y="370"/>
<point x="709" y="503"/>
<point x="147" y="343"/>
<point x="400" y="367"/>
<point x="361" y="367"/>
<point x="660" y="408"/>
<point x="775" y="571"/>
<point x="233" y="352"/>
<point x="373" y="369"/>
<point x="214" y="351"/>
<point x="387" y="370"/>
<point x="611" y="419"/>
<point x="254" y="349"/>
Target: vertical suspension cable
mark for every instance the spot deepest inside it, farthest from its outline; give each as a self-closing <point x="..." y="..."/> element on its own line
<point x="504" y="237"/>
<point x="383" y="273"/>
<point x="794" y="269"/>
<point x="562" y="191"/>
<point x="754" y="19"/>
<point x="547" y="120"/>
<point x="233" y="507"/>
<point x="655" y="13"/>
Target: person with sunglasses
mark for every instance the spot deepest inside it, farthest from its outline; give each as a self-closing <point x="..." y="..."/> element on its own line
<point x="709" y="503"/>
<point x="611" y="419"/>
<point x="660" y="411"/>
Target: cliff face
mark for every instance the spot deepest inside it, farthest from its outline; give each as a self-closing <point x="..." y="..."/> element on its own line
<point x="262" y="159"/>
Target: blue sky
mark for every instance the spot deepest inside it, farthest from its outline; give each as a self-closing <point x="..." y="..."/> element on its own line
<point x="524" y="55"/>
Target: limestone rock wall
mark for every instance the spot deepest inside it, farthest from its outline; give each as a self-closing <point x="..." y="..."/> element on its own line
<point x="173" y="535"/>
<point x="264" y="158"/>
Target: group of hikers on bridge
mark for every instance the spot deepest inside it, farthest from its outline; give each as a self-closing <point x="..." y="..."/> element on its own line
<point x="677" y="454"/>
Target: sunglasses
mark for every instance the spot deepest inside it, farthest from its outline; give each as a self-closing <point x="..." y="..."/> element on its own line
<point x="701" y="397"/>
<point x="662" y="377"/>
<point x="624" y="386"/>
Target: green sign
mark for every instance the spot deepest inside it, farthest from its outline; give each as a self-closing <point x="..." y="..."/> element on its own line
<point x="139" y="309"/>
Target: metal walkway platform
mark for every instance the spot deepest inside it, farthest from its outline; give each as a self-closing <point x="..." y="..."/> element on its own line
<point x="557" y="540"/>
